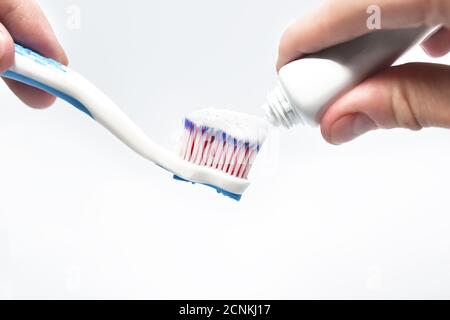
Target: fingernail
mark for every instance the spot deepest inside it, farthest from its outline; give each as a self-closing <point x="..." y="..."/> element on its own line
<point x="350" y="127"/>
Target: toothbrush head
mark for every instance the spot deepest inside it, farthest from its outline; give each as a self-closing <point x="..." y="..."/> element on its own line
<point x="225" y="141"/>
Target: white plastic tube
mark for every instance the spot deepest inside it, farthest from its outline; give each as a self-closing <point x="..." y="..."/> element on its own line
<point x="307" y="87"/>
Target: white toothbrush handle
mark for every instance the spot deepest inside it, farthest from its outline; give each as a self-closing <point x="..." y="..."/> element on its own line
<point x="46" y="74"/>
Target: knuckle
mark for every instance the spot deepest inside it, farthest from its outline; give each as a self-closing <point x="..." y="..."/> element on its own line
<point x="404" y="113"/>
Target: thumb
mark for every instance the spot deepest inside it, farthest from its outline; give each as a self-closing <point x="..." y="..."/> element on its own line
<point x="6" y="49"/>
<point x="410" y="96"/>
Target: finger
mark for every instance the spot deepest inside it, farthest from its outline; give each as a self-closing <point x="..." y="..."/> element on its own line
<point x="438" y="44"/>
<point x="410" y="96"/>
<point x="6" y="49"/>
<point x="31" y="96"/>
<point x="340" y="21"/>
<point x="28" y="26"/>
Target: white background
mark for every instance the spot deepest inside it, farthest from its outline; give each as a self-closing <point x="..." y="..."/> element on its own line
<point x="81" y="216"/>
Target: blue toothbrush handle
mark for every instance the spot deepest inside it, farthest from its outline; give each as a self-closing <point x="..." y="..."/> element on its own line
<point x="29" y="65"/>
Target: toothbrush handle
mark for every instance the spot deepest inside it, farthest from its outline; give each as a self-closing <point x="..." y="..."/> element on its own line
<point x="35" y="70"/>
<point x="43" y="73"/>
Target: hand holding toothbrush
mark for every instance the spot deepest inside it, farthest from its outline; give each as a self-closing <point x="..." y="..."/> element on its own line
<point x="411" y="96"/>
<point x="24" y="21"/>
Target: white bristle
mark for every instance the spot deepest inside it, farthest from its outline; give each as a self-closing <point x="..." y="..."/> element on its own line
<point x="223" y="140"/>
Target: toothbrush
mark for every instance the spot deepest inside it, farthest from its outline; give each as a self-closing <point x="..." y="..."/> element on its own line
<point x="46" y="74"/>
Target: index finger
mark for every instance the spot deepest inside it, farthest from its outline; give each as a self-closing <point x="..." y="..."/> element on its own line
<point x="28" y="26"/>
<point x="340" y="21"/>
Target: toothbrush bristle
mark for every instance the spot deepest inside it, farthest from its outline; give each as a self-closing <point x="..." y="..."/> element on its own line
<point x="223" y="140"/>
<point x="215" y="149"/>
